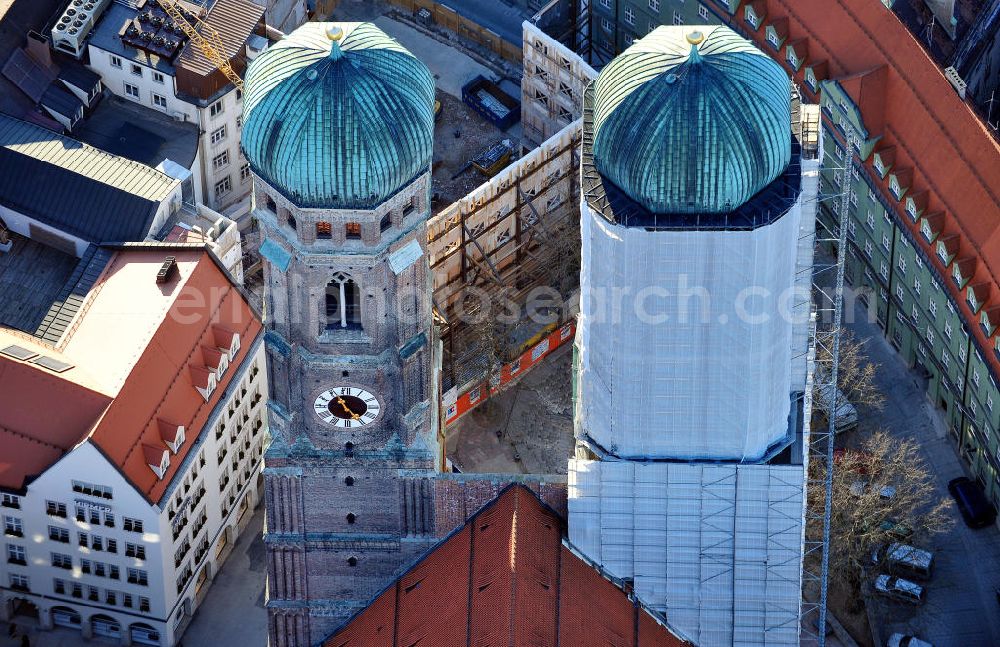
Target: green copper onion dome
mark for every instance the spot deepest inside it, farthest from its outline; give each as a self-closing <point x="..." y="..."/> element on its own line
<point x="692" y="120"/>
<point x="338" y="116"/>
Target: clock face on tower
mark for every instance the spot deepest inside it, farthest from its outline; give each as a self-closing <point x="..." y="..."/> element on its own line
<point x="347" y="407"/>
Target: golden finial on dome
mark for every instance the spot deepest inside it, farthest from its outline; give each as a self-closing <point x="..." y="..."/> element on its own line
<point x="695" y="37"/>
<point x="334" y="32"/>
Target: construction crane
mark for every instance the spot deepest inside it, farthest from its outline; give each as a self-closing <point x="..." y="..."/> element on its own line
<point x="207" y="40"/>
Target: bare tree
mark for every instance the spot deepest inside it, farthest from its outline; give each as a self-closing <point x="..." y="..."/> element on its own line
<point x="882" y="492"/>
<point x="855" y="375"/>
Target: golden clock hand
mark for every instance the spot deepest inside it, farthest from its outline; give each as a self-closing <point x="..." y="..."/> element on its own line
<point x="347" y="408"/>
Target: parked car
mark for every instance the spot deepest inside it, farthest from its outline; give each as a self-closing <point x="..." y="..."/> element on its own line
<point x="845" y="416"/>
<point x="976" y="509"/>
<point x="906" y="559"/>
<point x="899" y="589"/>
<point x="902" y="640"/>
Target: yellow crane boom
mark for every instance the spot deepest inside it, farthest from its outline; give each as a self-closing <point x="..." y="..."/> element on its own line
<point x="207" y="40"/>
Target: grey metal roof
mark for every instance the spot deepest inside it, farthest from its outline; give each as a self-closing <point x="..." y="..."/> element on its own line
<point x="61" y="101"/>
<point x="78" y="76"/>
<point x="76" y="188"/>
<point x="71" y="297"/>
<point x="123" y="127"/>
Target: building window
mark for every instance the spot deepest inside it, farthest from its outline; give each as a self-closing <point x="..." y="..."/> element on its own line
<point x="975" y="378"/>
<point x="678" y="19"/>
<point x="62" y="561"/>
<point x="138" y="576"/>
<point x="159" y="101"/>
<point x="12" y="527"/>
<point x="245" y="172"/>
<point x="385" y="222"/>
<point x="884" y="271"/>
<point x="932" y="309"/>
<point x="132" y="90"/>
<point x="793" y="60"/>
<point x="132" y="525"/>
<point x="59" y="534"/>
<point x="324" y="231"/>
<point x="772" y="37"/>
<point x="916" y="284"/>
<point x="343" y="303"/>
<point x="157" y="77"/>
<point x="222" y="187"/>
<point x="945" y="360"/>
<point x="55" y="509"/>
<point x="606" y="4"/>
<point x="220" y="160"/>
<point x="871" y="216"/>
<point x="868" y="248"/>
<point x="901" y="264"/>
<point x="930" y="336"/>
<point x="702" y="12"/>
<point x="138" y="551"/>
<point x="143" y="604"/>
<point x="751" y="17"/>
<point x="136" y="70"/>
<point x="353" y="230"/>
<point x="885" y="241"/>
<point x="629" y="15"/>
<point x="19" y="582"/>
<point x="218" y="135"/>
<point x="899" y="292"/>
<point x="216" y="108"/>
<point x="16" y="554"/>
<point x="10" y="501"/>
<point x="116" y="61"/>
<point x="606" y="25"/>
<point x="654" y="5"/>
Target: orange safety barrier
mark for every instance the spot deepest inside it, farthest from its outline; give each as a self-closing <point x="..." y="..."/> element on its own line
<point x="510" y="372"/>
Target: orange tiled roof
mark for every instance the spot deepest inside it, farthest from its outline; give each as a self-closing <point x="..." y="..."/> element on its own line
<point x="504" y="578"/>
<point x="42" y="416"/>
<point x="952" y="158"/>
<point x="129" y="390"/>
<point x="160" y="386"/>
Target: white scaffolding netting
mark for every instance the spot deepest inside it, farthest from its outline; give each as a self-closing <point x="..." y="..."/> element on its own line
<point x="716" y="548"/>
<point x="686" y="345"/>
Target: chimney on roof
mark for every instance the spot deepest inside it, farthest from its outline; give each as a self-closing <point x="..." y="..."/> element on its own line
<point x="37" y="47"/>
<point x="167" y="269"/>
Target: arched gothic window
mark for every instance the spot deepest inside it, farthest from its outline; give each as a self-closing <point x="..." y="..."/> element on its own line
<point x="343" y="303"/>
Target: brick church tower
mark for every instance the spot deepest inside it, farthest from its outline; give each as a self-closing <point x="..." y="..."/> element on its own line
<point x="339" y="135"/>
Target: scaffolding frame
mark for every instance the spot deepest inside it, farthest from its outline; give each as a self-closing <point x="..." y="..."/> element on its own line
<point x="502" y="239"/>
<point x="828" y="308"/>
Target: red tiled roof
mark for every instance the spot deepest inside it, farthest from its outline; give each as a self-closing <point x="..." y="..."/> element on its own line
<point x="951" y="153"/>
<point x="42" y="416"/>
<point x="160" y="385"/>
<point x="455" y="500"/>
<point x="504" y="578"/>
<point x="132" y="423"/>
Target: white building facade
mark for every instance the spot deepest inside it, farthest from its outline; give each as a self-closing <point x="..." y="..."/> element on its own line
<point x="89" y="552"/>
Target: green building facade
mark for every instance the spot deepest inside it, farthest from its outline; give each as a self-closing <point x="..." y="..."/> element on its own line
<point x="888" y="271"/>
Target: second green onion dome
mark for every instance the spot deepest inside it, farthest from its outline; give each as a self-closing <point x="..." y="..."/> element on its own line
<point x="338" y="116"/>
<point x="692" y="120"/>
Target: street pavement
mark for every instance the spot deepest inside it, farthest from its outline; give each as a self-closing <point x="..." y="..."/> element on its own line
<point x="233" y="613"/>
<point x="961" y="608"/>
<point x="498" y="16"/>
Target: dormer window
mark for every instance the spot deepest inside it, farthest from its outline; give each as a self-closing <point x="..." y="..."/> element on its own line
<point x="984" y="321"/>
<point x="217" y="359"/>
<point x="772" y="37"/>
<point x="227" y="341"/>
<point x="894" y="186"/>
<point x="793" y="60"/>
<point x="911" y="208"/>
<point x="171" y="434"/>
<point x="751" y="17"/>
<point x="925" y="229"/>
<point x="956" y="272"/>
<point x="158" y="460"/>
<point x="879" y="166"/>
<point x="811" y="78"/>
<point x="942" y="253"/>
<point x="204" y="380"/>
